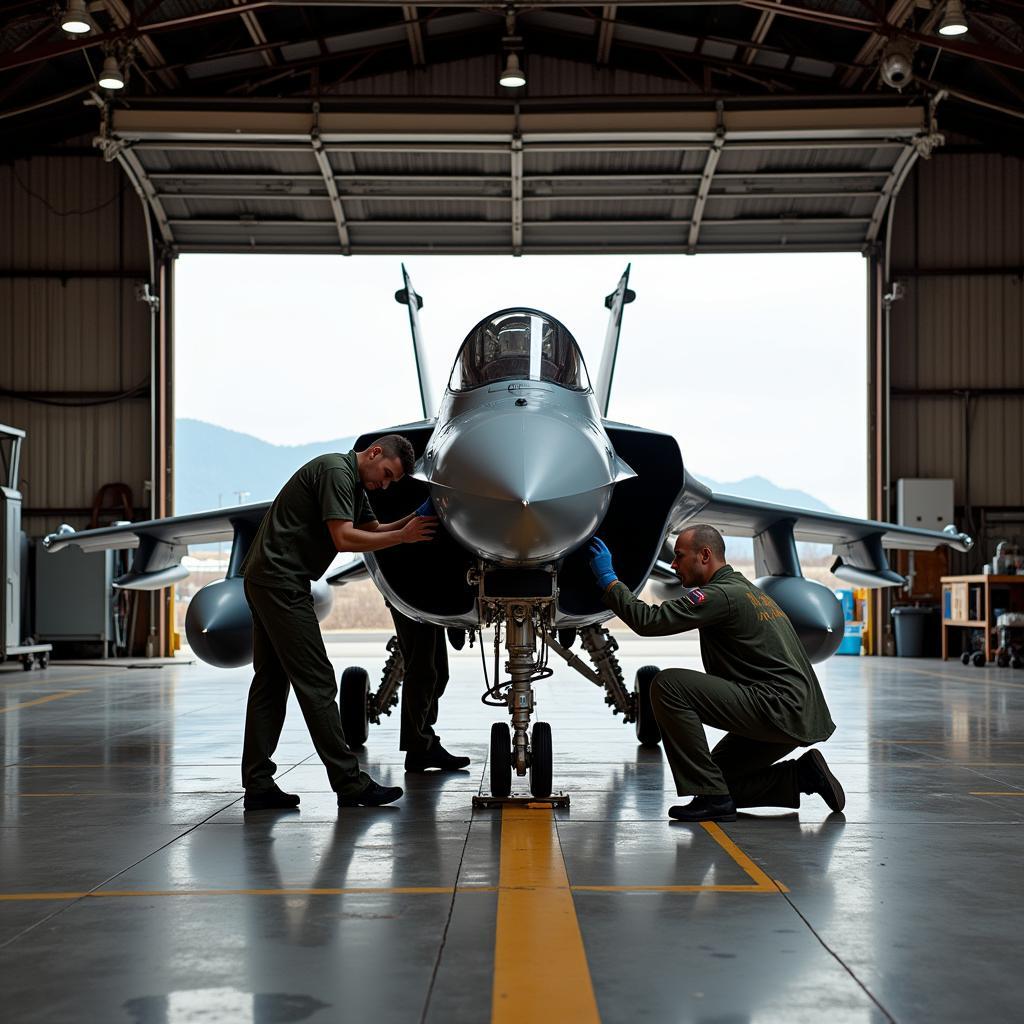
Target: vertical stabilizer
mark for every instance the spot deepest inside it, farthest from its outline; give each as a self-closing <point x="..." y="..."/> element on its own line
<point x="408" y="297"/>
<point x="615" y="303"/>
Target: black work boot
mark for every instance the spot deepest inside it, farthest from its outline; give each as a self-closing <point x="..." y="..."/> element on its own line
<point x="374" y="795"/>
<point x="705" y="808"/>
<point x="272" y="799"/>
<point x="814" y="777"/>
<point x="435" y="757"/>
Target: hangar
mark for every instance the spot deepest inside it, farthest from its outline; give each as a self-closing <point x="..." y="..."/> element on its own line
<point x="132" y="885"/>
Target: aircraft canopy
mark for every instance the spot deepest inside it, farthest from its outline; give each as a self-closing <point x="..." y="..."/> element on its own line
<point x="519" y="344"/>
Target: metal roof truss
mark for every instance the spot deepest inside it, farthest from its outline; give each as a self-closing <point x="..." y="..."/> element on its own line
<point x="682" y="181"/>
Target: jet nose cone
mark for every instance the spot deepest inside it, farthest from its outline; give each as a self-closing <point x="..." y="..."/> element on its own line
<point x="523" y="487"/>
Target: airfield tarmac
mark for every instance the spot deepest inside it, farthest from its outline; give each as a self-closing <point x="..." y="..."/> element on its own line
<point x="133" y="888"/>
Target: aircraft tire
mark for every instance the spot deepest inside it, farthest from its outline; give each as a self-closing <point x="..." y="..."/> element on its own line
<point x="978" y="659"/>
<point x="353" y="698"/>
<point x="501" y="760"/>
<point x="647" y="732"/>
<point x="540" y="760"/>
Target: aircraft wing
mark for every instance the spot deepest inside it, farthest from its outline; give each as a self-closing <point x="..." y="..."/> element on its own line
<point x="858" y="544"/>
<point x="160" y="544"/>
<point x="350" y="572"/>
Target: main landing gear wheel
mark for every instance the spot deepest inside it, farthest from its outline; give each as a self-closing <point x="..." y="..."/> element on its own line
<point x="501" y="760"/>
<point x="978" y="659"/>
<point x="647" y="732"/>
<point x="540" y="760"/>
<point x="353" y="701"/>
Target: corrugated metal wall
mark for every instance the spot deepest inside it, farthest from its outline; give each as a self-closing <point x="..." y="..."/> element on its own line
<point x="957" y="335"/>
<point x="73" y="251"/>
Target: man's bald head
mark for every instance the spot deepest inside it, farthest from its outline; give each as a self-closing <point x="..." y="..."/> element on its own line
<point x="699" y="554"/>
<point x="704" y="536"/>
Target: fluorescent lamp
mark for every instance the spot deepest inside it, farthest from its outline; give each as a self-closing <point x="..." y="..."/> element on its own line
<point x="954" y="22"/>
<point x="512" y="77"/>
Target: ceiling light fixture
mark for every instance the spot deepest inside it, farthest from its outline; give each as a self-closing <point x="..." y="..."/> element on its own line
<point x="512" y="77"/>
<point x="954" y="21"/>
<point x="110" y="76"/>
<point x="75" y="19"/>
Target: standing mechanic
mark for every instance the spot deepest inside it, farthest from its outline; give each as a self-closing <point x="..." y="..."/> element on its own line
<point x="320" y="511"/>
<point x="758" y="686"/>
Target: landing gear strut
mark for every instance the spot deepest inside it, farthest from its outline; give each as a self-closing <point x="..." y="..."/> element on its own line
<point x="520" y="745"/>
<point x="530" y="749"/>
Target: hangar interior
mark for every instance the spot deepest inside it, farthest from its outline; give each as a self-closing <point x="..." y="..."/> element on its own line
<point x="133" y="887"/>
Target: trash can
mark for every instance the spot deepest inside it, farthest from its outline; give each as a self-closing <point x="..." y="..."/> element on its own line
<point x="916" y="632"/>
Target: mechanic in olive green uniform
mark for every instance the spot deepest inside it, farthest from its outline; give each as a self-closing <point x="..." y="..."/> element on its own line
<point x="320" y="511"/>
<point x="758" y="686"/>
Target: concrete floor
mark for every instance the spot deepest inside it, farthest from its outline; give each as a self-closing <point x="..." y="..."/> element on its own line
<point x="132" y="888"/>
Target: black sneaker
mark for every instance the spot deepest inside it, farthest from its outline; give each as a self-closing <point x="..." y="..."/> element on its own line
<point x="270" y="800"/>
<point x="705" y="808"/>
<point x="435" y="757"/>
<point x="815" y="777"/>
<point x="373" y="796"/>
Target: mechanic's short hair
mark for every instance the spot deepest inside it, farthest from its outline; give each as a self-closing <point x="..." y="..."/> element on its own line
<point x="394" y="446"/>
<point x="704" y="536"/>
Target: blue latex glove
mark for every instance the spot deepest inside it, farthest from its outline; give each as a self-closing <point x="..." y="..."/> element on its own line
<point x="601" y="563"/>
<point x="426" y="509"/>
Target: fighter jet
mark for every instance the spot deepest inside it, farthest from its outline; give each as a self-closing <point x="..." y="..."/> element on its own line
<point x="523" y="468"/>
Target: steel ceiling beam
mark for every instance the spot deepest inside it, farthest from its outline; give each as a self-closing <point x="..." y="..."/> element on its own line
<point x="564" y="197"/>
<point x="248" y="221"/>
<point x="256" y="34"/>
<point x="414" y="32"/>
<point x="606" y="33"/>
<point x="760" y="33"/>
<point x="516" y="182"/>
<point x="704" y="188"/>
<point x="340" y="222"/>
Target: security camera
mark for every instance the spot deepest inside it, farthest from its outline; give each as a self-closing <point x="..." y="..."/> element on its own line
<point x="897" y="65"/>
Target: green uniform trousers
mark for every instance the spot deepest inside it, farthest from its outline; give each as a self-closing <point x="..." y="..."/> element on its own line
<point x="425" y="656"/>
<point x="743" y="762"/>
<point x="287" y="646"/>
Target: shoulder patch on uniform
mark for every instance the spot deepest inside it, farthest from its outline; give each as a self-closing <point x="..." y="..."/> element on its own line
<point x="696" y="596"/>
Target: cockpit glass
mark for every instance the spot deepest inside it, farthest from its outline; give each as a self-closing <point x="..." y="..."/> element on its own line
<point x="518" y="344"/>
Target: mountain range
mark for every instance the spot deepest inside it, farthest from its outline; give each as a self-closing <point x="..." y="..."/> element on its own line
<point x="216" y="467"/>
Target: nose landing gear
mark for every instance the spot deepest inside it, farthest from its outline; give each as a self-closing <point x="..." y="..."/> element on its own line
<point x="521" y="746"/>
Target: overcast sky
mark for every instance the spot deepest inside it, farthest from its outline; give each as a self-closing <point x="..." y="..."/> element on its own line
<point x="756" y="364"/>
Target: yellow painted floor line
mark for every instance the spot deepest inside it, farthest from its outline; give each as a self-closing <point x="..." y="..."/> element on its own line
<point x="760" y="879"/>
<point x="41" y="700"/>
<point x="540" y="966"/>
<point x="1015" y="792"/>
<point x="751" y="889"/>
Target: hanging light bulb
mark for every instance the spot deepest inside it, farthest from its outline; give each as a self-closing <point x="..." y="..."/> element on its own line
<point x="76" y="18"/>
<point x="512" y="77"/>
<point x="110" y="76"/>
<point x="954" y="21"/>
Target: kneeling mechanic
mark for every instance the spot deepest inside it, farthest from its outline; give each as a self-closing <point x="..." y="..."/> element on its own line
<point x="758" y="686"/>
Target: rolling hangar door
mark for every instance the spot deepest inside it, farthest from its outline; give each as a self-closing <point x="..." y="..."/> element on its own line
<point x="367" y="127"/>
